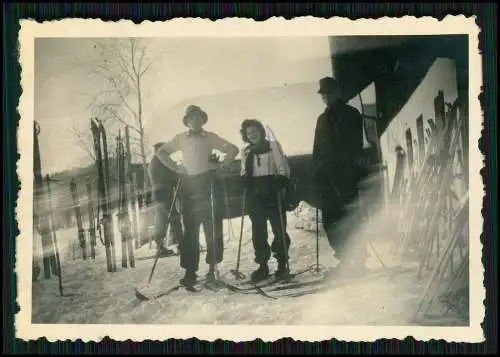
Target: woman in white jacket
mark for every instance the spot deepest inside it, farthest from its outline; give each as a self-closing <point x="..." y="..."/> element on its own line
<point x="265" y="174"/>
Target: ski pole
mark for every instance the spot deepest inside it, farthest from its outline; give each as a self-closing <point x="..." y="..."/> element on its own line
<point x="214" y="245"/>
<point x="228" y="212"/>
<point x="283" y="233"/>
<point x="168" y="219"/>
<point x="280" y="208"/>
<point x="54" y="237"/>
<point x="283" y="157"/>
<point x="317" y="240"/>
<point x="236" y="272"/>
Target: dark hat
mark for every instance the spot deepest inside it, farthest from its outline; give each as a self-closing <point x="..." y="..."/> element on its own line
<point x="193" y="109"/>
<point x="328" y="85"/>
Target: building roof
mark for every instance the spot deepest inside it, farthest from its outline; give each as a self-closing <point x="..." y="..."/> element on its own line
<point x="396" y="67"/>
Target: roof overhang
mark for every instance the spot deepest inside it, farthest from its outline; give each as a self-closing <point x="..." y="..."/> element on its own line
<point x="395" y="64"/>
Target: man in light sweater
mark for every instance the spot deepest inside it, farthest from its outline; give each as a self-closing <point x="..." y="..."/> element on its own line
<point x="198" y="182"/>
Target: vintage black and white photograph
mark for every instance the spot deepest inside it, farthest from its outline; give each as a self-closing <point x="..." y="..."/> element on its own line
<point x="250" y="179"/>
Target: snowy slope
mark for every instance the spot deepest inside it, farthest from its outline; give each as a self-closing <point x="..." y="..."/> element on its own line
<point x="97" y="297"/>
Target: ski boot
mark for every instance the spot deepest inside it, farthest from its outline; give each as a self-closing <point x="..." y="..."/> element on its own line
<point x="210" y="276"/>
<point x="212" y="282"/>
<point x="189" y="280"/>
<point x="282" y="272"/>
<point x="260" y="274"/>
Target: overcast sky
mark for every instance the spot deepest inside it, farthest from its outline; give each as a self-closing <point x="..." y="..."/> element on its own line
<point x="271" y="79"/>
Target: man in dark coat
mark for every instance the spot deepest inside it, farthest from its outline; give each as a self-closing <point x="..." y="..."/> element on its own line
<point x="338" y="146"/>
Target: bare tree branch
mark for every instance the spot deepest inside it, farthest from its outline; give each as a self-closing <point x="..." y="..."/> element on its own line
<point x="146" y="69"/>
<point x="102" y="107"/>
<point x="132" y="58"/>
<point x="122" y="62"/>
<point x="141" y="58"/>
<point x="121" y="65"/>
<point x="122" y="98"/>
<point x="82" y="140"/>
<point x="109" y="109"/>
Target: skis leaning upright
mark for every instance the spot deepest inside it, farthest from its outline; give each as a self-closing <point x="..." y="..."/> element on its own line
<point x="123" y="210"/>
<point x="100" y="146"/>
<point x="78" y="215"/>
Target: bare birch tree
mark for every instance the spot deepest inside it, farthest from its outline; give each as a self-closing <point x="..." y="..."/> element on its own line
<point x="123" y="64"/>
<point x="83" y="139"/>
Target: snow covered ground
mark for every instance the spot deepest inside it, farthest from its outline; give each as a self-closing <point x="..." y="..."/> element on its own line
<point x="95" y="296"/>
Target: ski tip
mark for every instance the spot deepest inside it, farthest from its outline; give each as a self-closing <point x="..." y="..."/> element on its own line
<point x="140" y="296"/>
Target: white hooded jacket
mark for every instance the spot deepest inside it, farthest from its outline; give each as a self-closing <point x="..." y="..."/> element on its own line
<point x="272" y="163"/>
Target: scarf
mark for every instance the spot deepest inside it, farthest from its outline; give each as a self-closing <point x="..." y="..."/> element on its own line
<point x="253" y="150"/>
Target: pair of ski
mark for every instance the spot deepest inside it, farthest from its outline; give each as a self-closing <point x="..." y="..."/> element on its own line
<point x="190" y="288"/>
<point x="390" y="273"/>
<point x="213" y="285"/>
<point x="104" y="200"/>
<point x="248" y="286"/>
<point x="321" y="283"/>
<point x="289" y="281"/>
<point x="317" y="285"/>
<point x="242" y="287"/>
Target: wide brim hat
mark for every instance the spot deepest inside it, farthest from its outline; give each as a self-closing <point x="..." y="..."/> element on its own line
<point x="328" y="85"/>
<point x="193" y="110"/>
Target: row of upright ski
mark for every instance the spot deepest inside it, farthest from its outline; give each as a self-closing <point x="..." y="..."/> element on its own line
<point x="124" y="222"/>
<point x="128" y="227"/>
<point x="105" y="225"/>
